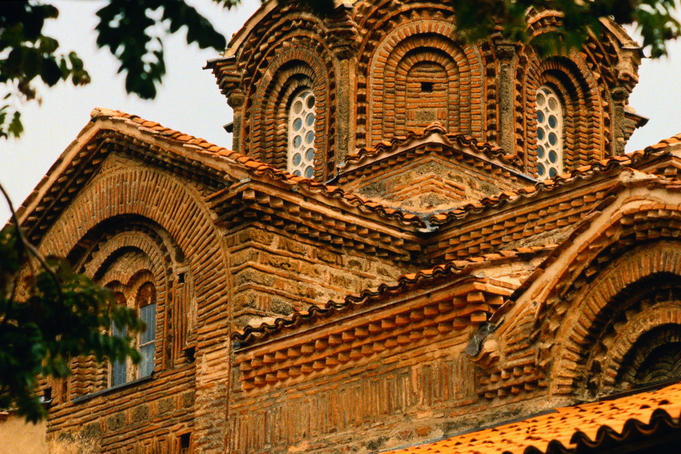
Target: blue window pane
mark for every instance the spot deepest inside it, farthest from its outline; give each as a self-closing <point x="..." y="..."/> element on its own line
<point x="148" y="316"/>
<point x="540" y="152"/>
<point x="118" y="368"/>
<point x="553" y="139"/>
<point x="309" y="138"/>
<point x="297" y="140"/>
<point x="540" y="116"/>
<point x="296" y="173"/>
<point x="309" y="154"/>
<point x="310" y="119"/>
<point x="552" y="121"/>
<point x="146" y="366"/>
<point x="296" y="159"/>
<point x="540" y="170"/>
<point x="552" y="156"/>
<point x="552" y="172"/>
<point x="309" y="172"/>
<point x="540" y="134"/>
<point x="297" y="124"/>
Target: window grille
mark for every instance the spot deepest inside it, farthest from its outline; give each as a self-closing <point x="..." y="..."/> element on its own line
<point x="549" y="133"/>
<point x="301" y="136"/>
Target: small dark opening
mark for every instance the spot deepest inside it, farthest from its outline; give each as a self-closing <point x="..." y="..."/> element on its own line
<point x="427" y="87"/>
<point x="184" y="443"/>
<point x="190" y="354"/>
<point x="47" y="395"/>
<point x="180" y="278"/>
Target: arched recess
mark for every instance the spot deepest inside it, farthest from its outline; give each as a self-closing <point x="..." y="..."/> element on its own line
<point x="587" y="128"/>
<point x="634" y="290"/>
<point x="420" y="74"/>
<point x="294" y="69"/>
<point x="178" y="208"/>
<point x="122" y="248"/>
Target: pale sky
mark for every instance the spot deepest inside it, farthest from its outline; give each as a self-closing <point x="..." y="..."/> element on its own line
<point x="191" y="102"/>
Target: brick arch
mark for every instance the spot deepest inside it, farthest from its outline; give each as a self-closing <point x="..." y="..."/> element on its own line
<point x="413" y="43"/>
<point x="296" y="40"/>
<point x="288" y="74"/>
<point x="597" y="301"/>
<point x="629" y="355"/>
<point x="587" y="129"/>
<point x="160" y="266"/>
<point x="122" y="266"/>
<point x="285" y="24"/>
<point x="180" y="210"/>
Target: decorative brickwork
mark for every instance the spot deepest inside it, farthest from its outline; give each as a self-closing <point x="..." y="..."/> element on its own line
<point x="421" y="285"/>
<point x="418" y="75"/>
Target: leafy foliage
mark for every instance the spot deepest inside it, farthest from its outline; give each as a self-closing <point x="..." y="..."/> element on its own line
<point x="48" y="317"/>
<point x="49" y="314"/>
<point x="653" y="19"/>
<point x="132" y="31"/>
<point x="26" y="54"/>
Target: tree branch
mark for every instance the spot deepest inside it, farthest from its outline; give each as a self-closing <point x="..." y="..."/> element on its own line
<point x="20" y="234"/>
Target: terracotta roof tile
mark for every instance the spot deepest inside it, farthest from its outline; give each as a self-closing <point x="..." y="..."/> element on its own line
<point x="564" y="430"/>
<point x="260" y="168"/>
<point x="582" y="172"/>
<point x="494" y="151"/>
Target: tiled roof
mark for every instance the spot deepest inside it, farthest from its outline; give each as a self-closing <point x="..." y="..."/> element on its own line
<point x="580" y="173"/>
<point x="453" y="268"/>
<point x="592" y="425"/>
<point x="257" y="167"/>
<point x="367" y="155"/>
<point x="45" y="202"/>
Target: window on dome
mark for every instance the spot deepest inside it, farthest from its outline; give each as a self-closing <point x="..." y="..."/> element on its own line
<point x="301" y="136"/>
<point x="549" y="133"/>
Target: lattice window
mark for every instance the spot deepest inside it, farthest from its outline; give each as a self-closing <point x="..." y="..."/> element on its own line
<point x="301" y="120"/>
<point x="549" y="133"/>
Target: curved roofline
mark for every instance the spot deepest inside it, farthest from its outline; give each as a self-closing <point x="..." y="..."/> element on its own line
<point x="239" y="37"/>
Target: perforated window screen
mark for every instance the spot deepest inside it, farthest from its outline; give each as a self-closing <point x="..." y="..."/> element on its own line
<point x="301" y="137"/>
<point x="549" y="133"/>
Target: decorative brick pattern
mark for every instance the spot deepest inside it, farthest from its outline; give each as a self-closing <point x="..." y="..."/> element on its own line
<point x="417" y="53"/>
<point x="434" y="287"/>
<point x="145" y="192"/>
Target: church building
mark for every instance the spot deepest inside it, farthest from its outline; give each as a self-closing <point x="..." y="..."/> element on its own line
<point x="414" y="245"/>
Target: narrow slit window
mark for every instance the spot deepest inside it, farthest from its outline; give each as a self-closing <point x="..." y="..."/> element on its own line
<point x="549" y="133"/>
<point x="301" y="135"/>
<point x="118" y="368"/>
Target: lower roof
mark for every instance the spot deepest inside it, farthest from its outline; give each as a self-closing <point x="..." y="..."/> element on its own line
<point x="641" y="417"/>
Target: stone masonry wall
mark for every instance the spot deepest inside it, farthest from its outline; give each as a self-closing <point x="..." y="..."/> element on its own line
<point x="275" y="274"/>
<point x="391" y="398"/>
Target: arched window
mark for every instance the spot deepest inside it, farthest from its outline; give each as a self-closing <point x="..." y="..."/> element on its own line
<point x="301" y="121"/>
<point x="549" y="133"/>
<point x="145" y="302"/>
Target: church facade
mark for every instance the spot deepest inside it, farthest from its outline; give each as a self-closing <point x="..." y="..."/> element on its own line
<point x="415" y="244"/>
